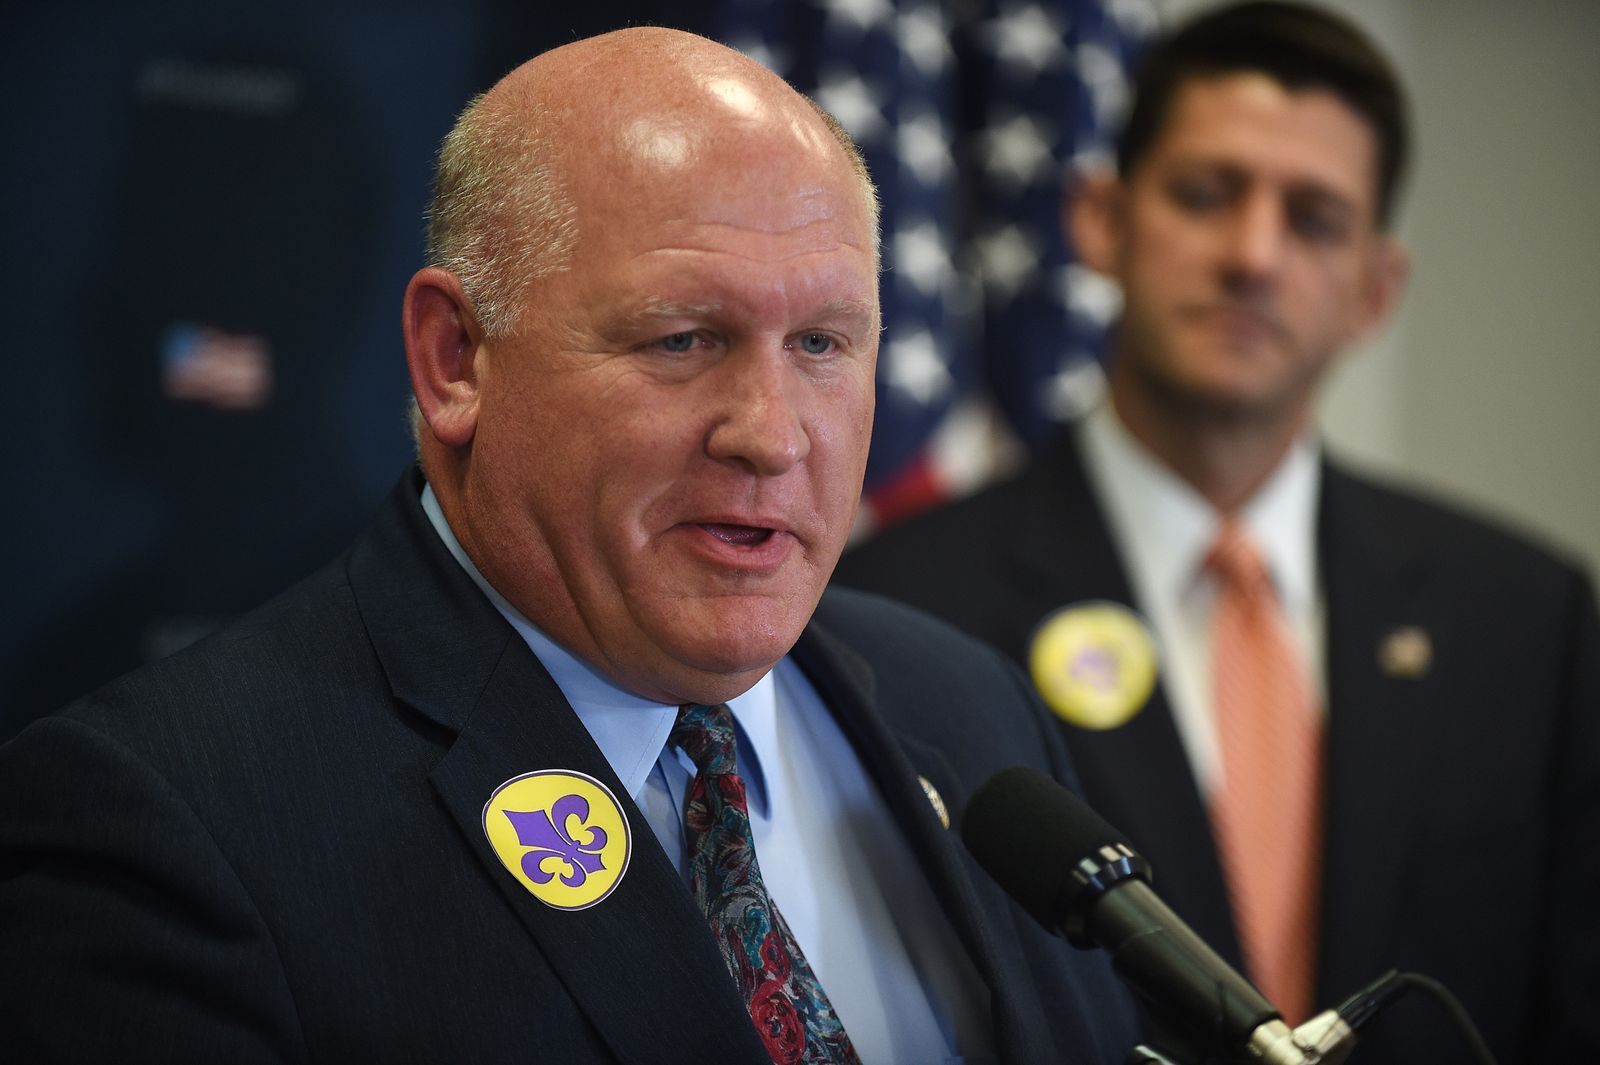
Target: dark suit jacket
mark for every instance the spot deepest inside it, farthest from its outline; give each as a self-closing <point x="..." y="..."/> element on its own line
<point x="1463" y="807"/>
<point x="268" y="848"/>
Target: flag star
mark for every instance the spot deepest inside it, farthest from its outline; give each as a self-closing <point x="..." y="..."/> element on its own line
<point x="1088" y="294"/>
<point x="1006" y="259"/>
<point x="923" y="37"/>
<point x="913" y="366"/>
<point x="924" y="147"/>
<point x="1018" y="150"/>
<point x="852" y="101"/>
<point x="1074" y="388"/>
<point x="1102" y="73"/>
<point x="921" y="257"/>
<point x="1027" y="39"/>
<point x="971" y="444"/>
<point x="862" y="14"/>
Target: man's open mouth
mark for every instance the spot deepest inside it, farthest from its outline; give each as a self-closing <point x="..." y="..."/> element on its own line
<point x="739" y="535"/>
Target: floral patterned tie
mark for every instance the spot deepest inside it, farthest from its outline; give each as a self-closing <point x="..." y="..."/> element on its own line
<point x="786" y="1003"/>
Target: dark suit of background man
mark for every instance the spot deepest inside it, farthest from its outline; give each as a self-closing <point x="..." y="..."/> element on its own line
<point x="1456" y="668"/>
<point x="643" y="362"/>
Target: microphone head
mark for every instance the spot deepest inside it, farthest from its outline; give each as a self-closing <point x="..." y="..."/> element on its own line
<point x="1072" y="871"/>
<point x="1030" y="833"/>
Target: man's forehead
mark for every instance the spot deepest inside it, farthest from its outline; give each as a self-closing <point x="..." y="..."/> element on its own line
<point x="649" y="129"/>
<point x="773" y="192"/>
<point x="655" y="94"/>
<point x="716" y="137"/>
<point x="1252" y="121"/>
<point x="657" y="138"/>
<point x="707" y="264"/>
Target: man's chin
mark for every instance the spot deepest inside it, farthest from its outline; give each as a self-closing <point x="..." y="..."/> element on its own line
<point x="697" y="645"/>
<point x="699" y="677"/>
<point x="726" y="656"/>
<point x="1221" y="398"/>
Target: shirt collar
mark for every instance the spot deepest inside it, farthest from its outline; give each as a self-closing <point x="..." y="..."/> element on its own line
<point x="1167" y="527"/>
<point x="1282" y="517"/>
<point x="630" y="731"/>
<point x="1163" y="526"/>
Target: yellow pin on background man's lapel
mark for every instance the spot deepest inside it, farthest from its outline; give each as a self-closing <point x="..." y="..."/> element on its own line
<point x="1094" y="663"/>
<point x="562" y="834"/>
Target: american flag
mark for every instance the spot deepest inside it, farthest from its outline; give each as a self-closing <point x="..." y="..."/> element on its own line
<point x="972" y="115"/>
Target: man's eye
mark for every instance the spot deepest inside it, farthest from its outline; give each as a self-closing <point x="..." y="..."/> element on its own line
<point x="1321" y="225"/>
<point x="816" y="343"/>
<point x="1198" y="194"/>
<point x="678" y="342"/>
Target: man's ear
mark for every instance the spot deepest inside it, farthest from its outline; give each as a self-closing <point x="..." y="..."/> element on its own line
<point x="1092" y="218"/>
<point x="1387" y="274"/>
<point x="442" y="338"/>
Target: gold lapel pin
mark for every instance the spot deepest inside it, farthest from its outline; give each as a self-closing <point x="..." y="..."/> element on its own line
<point x="1406" y="653"/>
<point x="935" y="800"/>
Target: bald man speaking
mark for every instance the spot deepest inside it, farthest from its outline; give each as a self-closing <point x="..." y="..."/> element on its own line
<point x="569" y="758"/>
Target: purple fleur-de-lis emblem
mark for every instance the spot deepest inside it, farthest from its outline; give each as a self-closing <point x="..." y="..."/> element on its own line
<point x="1096" y="667"/>
<point x="546" y="834"/>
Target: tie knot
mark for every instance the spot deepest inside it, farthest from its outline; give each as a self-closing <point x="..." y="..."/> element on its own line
<point x="706" y="734"/>
<point x="1235" y="558"/>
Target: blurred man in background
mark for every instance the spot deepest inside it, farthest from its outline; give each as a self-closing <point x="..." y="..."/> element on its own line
<point x="1351" y="729"/>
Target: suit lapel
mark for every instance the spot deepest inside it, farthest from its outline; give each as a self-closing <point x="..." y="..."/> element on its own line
<point x="1379" y="724"/>
<point x="1137" y="775"/>
<point x="453" y="659"/>
<point x="895" y="763"/>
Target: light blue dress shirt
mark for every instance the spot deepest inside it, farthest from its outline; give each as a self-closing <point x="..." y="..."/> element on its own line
<point x="833" y="859"/>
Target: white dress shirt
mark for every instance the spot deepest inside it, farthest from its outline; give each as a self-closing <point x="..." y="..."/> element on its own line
<point x="1163" y="529"/>
<point x="830" y="853"/>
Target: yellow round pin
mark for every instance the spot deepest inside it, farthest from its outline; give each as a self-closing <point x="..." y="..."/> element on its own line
<point x="1094" y="663"/>
<point x="562" y="834"/>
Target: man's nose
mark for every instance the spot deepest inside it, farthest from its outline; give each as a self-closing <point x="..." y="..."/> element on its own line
<point x="1255" y="238"/>
<point x="760" y="423"/>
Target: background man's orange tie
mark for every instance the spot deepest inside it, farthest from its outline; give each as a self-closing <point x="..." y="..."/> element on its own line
<point x="1268" y="811"/>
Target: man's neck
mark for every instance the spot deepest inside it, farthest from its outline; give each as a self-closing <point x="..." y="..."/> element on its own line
<point x="1225" y="459"/>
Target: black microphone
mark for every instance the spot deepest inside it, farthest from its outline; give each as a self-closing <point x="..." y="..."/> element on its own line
<point x="1072" y="871"/>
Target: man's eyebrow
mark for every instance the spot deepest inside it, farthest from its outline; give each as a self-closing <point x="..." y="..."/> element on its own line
<point x="1302" y="186"/>
<point x="1324" y="192"/>
<point x="659" y="307"/>
<point x="845" y="307"/>
<point x="654" y="309"/>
